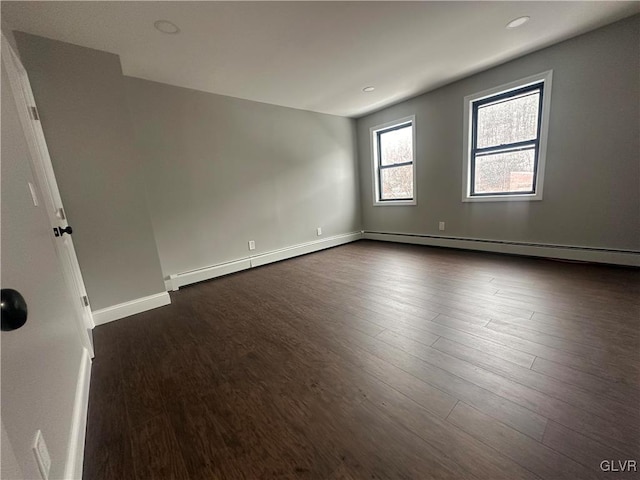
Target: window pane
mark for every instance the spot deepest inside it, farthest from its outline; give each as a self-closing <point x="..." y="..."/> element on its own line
<point x="505" y="172"/>
<point x="396" y="146"/>
<point x="510" y="121"/>
<point x="396" y="182"/>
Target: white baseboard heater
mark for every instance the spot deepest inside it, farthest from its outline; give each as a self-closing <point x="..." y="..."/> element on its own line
<point x="175" y="281"/>
<point x="563" y="252"/>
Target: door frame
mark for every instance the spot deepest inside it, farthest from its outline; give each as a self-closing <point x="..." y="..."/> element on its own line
<point x="42" y="168"/>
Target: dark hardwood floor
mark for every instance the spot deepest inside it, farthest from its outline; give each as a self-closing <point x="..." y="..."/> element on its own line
<point x="375" y="360"/>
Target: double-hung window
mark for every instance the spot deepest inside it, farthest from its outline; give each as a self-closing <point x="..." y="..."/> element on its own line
<point x="505" y="151"/>
<point x="393" y="146"/>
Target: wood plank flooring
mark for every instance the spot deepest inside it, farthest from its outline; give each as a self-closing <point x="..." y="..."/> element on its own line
<point x="378" y="361"/>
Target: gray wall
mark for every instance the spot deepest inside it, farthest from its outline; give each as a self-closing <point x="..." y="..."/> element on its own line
<point x="8" y="33"/>
<point x="222" y="171"/>
<point x="592" y="181"/>
<point x="82" y="103"/>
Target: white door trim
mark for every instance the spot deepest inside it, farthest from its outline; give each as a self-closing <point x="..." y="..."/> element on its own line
<point x="43" y="171"/>
<point x="75" y="450"/>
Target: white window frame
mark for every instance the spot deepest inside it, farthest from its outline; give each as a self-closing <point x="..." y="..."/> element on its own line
<point x="545" y="77"/>
<point x="373" y="133"/>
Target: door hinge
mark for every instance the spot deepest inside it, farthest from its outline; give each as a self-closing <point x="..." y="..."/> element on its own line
<point x="33" y="111"/>
<point x="85" y="300"/>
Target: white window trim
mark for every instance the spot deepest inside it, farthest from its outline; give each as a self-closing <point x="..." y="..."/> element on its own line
<point x="546" y="77"/>
<point x="375" y="160"/>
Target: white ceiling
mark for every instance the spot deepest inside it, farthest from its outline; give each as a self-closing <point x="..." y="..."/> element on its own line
<point x="312" y="55"/>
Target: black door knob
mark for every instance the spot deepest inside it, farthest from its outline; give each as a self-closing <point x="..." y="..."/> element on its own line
<point x="59" y="231"/>
<point x="13" y="309"/>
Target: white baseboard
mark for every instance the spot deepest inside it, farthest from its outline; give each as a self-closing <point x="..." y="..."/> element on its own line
<point x="126" y="309"/>
<point x="181" y="279"/>
<point x="304" y="248"/>
<point x="75" y="449"/>
<point x="175" y="281"/>
<point x="564" y="252"/>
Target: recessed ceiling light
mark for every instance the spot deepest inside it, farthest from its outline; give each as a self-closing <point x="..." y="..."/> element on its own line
<point x="165" y="26"/>
<point x="368" y="89"/>
<point x="517" y="22"/>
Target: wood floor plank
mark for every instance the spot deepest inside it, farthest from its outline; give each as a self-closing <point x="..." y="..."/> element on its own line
<point x="606" y="351"/>
<point x="432" y="398"/>
<point x="494" y="472"/>
<point x="583" y="450"/>
<point x="474" y="456"/>
<point x="594" y="294"/>
<point x="625" y="391"/>
<point x="373" y="360"/>
<point x="591" y="333"/>
<point x="495" y="349"/>
<point x="448" y="300"/>
<point x="380" y="386"/>
<point x="317" y="389"/>
<point x="203" y="440"/>
<point x="621" y="412"/>
<point x="624" y="436"/>
<point x="612" y="368"/>
<point x="107" y="417"/>
<point x="548" y="303"/>
<point x="511" y="413"/>
<point x="401" y="305"/>
<point x="155" y="451"/>
<point x="532" y="455"/>
<point x="111" y="460"/>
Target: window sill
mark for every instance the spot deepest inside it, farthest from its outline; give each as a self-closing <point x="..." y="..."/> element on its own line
<point x="504" y="198"/>
<point x="395" y="203"/>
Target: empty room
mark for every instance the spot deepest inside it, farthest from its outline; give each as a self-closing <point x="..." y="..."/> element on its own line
<point x="320" y="240"/>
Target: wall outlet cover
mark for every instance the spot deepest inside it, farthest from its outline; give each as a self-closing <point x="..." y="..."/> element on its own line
<point x="41" y="453"/>
<point x="441" y="226"/>
<point x="319" y="231"/>
<point x="252" y="245"/>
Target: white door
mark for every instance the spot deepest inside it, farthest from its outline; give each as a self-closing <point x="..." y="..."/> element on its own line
<point x="40" y="360"/>
<point x="45" y="177"/>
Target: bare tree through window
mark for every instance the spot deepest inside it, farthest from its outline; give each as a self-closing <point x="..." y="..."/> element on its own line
<point x="506" y="132"/>
<point x="395" y="158"/>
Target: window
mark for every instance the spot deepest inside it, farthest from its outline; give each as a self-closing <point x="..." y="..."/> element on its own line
<point x="506" y="141"/>
<point x="393" y="146"/>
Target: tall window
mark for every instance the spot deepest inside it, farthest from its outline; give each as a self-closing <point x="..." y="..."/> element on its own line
<point x="394" y="162"/>
<point x="507" y="140"/>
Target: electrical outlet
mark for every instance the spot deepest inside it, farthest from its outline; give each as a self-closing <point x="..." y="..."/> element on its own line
<point x="252" y="245"/>
<point x="319" y="231"/>
<point x="441" y="226"/>
<point x="41" y="453"/>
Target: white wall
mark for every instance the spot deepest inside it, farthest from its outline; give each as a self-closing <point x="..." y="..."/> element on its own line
<point x="591" y="187"/>
<point x="221" y="171"/>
